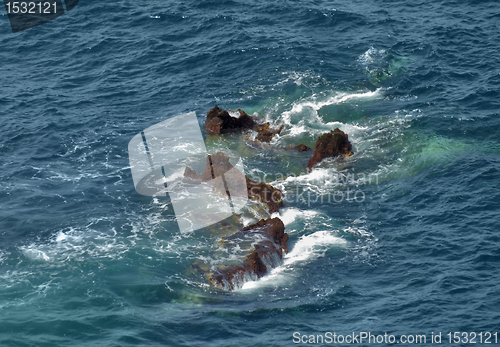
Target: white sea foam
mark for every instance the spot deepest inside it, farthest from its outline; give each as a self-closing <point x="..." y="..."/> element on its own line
<point x="307" y="78"/>
<point x="3" y="256"/>
<point x="33" y="253"/>
<point x="100" y="239"/>
<point x="320" y="181"/>
<point x="318" y="174"/>
<point x="306" y="249"/>
<point x="303" y="119"/>
<point x="372" y="55"/>
<point x="313" y="246"/>
<point x="290" y="215"/>
<point x="316" y="102"/>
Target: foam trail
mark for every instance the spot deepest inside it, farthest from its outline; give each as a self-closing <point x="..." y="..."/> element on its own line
<point x="313" y="246"/>
<point x="290" y="215"/>
<point x="303" y="117"/>
<point x="336" y="99"/>
<point x="372" y="55"/>
<point x="307" y="249"/>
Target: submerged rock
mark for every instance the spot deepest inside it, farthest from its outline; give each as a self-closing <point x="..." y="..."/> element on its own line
<point x="300" y="148"/>
<point x="264" y="242"/>
<point x="218" y="165"/>
<point x="333" y="144"/>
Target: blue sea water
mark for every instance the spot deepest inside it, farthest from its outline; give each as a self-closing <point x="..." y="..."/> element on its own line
<point x="86" y="261"/>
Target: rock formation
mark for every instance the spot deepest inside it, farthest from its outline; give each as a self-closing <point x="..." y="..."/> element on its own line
<point x="266" y="253"/>
<point x="219" y="121"/>
<point x="218" y="165"/>
<point x="333" y="144"/>
<point x="265" y="193"/>
<point x="265" y="133"/>
<point x="259" y="247"/>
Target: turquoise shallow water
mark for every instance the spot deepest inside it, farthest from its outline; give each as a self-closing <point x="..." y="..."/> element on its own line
<point x="86" y="261"/>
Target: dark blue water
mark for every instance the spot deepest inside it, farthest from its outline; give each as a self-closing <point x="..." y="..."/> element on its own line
<point x="86" y="261"/>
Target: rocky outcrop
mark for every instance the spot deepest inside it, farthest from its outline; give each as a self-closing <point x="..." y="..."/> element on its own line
<point x="259" y="247"/>
<point x="274" y="229"/>
<point x="265" y="193"/>
<point x="333" y="144"/>
<point x="219" y="121"/>
<point x="215" y="166"/>
<point x="266" y="241"/>
<point x="265" y="133"/>
<point x="218" y="165"/>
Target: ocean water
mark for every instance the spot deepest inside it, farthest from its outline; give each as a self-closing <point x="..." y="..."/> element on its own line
<point x="401" y="238"/>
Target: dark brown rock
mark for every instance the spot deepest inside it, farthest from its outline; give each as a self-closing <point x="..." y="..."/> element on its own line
<point x="300" y="148"/>
<point x="274" y="229"/>
<point x="265" y="133"/>
<point x="215" y="166"/>
<point x="265" y="254"/>
<point x="218" y="165"/>
<point x="265" y="193"/>
<point x="333" y="144"/>
<point x="219" y="121"/>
